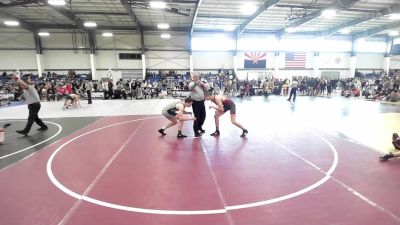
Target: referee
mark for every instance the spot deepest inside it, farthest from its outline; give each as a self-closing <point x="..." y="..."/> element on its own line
<point x="31" y="98"/>
<point x="197" y="89"/>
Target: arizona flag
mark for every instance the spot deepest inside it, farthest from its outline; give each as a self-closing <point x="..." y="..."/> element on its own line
<point x="255" y="60"/>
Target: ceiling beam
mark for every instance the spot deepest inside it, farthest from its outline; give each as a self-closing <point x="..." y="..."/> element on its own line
<point x="196" y="11"/>
<point x="128" y="8"/>
<point x="247" y="31"/>
<point x="18" y="3"/>
<point x="24" y="24"/>
<point x="130" y="2"/>
<point x="296" y="6"/>
<point x="338" y="4"/>
<point x="68" y="14"/>
<point x="267" y="4"/>
<point x="101" y="28"/>
<point x="101" y="13"/>
<point x="383" y="12"/>
<point x="376" y="30"/>
<point x="220" y="16"/>
<point x="173" y="8"/>
<point x="131" y="14"/>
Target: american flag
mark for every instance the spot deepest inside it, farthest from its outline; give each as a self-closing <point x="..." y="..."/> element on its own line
<point x="295" y="60"/>
<point x="255" y="60"/>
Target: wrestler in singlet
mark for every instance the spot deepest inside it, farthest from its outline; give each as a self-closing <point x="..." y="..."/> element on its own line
<point x="229" y="105"/>
<point x="170" y="110"/>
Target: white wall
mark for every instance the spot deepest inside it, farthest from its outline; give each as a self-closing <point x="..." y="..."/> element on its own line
<point x="17" y="40"/>
<point x="161" y="54"/>
<point x="334" y="61"/>
<point x="395" y="62"/>
<point x="167" y="60"/>
<point x="106" y="59"/>
<point x="65" y="60"/>
<point x="212" y="60"/>
<point x="12" y="60"/>
<point x="119" y="41"/>
<point x="63" y="40"/>
<point x="176" y="42"/>
<point x="369" y="61"/>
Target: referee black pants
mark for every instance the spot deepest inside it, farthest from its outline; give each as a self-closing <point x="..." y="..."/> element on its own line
<point x="199" y="111"/>
<point x="293" y="93"/>
<point x="89" y="95"/>
<point x="34" y="109"/>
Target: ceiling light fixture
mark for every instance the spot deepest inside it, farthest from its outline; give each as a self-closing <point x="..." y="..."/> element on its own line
<point x="12" y="23"/>
<point x="329" y="13"/>
<point x="361" y="40"/>
<point x="165" y="36"/>
<point x="158" y="5"/>
<point x="229" y="27"/>
<point x="108" y="34"/>
<point x="248" y="8"/>
<point x="163" y="26"/>
<point x="394" y="16"/>
<point x="290" y="29"/>
<point x="90" y="24"/>
<point x="345" y="31"/>
<point x="393" y="33"/>
<point x="44" y="34"/>
<point x="56" y="2"/>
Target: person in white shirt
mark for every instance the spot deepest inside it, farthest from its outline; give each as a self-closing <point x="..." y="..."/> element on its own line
<point x="31" y="98"/>
<point x="293" y="91"/>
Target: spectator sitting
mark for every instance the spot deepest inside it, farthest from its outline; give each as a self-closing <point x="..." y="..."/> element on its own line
<point x="394" y="96"/>
<point x="356" y="92"/>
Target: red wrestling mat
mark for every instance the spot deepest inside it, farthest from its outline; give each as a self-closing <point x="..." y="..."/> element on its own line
<point x="120" y="171"/>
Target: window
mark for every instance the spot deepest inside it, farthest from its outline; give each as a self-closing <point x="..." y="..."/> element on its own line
<point x="130" y="56"/>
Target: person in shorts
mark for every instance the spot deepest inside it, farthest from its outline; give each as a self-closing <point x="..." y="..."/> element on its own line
<point x="174" y="112"/>
<point x="72" y="100"/>
<point x="224" y="104"/>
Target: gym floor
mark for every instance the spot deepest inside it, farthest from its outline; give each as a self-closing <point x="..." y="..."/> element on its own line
<point x="315" y="161"/>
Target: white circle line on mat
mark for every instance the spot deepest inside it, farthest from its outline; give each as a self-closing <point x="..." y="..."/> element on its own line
<point x="73" y="194"/>
<point x="32" y="146"/>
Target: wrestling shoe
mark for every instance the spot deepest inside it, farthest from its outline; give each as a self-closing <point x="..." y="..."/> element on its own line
<point x="216" y="133"/>
<point x="22" y="132"/>
<point x="244" y="133"/>
<point x="202" y="131"/>
<point x="181" y="135"/>
<point x="386" y="157"/>
<point x="161" y="131"/>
